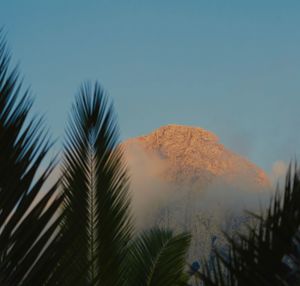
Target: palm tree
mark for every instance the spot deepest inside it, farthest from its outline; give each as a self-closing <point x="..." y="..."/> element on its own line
<point x="270" y="253"/>
<point x="27" y="223"/>
<point x="97" y="227"/>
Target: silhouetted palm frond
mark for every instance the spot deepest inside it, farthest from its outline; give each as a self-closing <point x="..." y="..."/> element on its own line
<point x="27" y="213"/>
<point x="157" y="258"/>
<point x="97" y="227"/>
<point x="269" y="253"/>
<point x="97" y="224"/>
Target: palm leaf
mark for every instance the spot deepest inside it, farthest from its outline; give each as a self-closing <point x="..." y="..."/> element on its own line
<point x="25" y="225"/>
<point x="269" y="254"/>
<point x="97" y="224"/>
<point x="157" y="258"/>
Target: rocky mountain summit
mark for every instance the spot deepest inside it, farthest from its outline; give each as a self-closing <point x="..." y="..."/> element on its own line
<point x="182" y="177"/>
<point x="195" y="156"/>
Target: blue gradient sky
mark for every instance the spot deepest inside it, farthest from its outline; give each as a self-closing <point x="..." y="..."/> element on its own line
<point x="232" y="67"/>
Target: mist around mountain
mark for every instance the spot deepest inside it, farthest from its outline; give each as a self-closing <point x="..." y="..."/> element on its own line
<point x="182" y="177"/>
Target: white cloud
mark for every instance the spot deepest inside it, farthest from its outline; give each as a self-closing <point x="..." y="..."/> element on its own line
<point x="278" y="172"/>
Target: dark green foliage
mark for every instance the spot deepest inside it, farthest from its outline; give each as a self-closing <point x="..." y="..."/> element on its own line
<point x="96" y="207"/>
<point x="269" y="253"/>
<point x="90" y="243"/>
<point x="26" y="253"/>
<point x="97" y="227"/>
<point x="157" y="258"/>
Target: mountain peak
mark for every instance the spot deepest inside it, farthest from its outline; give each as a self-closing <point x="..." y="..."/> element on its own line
<point x="183" y="133"/>
<point x="195" y="155"/>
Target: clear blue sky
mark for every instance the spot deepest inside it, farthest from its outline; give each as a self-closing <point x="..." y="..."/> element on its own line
<point x="232" y="67"/>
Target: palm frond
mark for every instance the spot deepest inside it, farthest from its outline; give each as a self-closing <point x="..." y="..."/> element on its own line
<point x="97" y="224"/>
<point x="25" y="225"/>
<point x="157" y="258"/>
<point x="269" y="253"/>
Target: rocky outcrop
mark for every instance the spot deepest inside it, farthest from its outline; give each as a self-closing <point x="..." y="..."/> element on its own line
<point x="183" y="178"/>
<point x="195" y="156"/>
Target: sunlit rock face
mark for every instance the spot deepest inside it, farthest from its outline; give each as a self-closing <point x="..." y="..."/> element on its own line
<point x="194" y="157"/>
<point x="182" y="177"/>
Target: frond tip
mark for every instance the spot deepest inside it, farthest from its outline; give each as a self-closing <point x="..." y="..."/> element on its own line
<point x="95" y="183"/>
